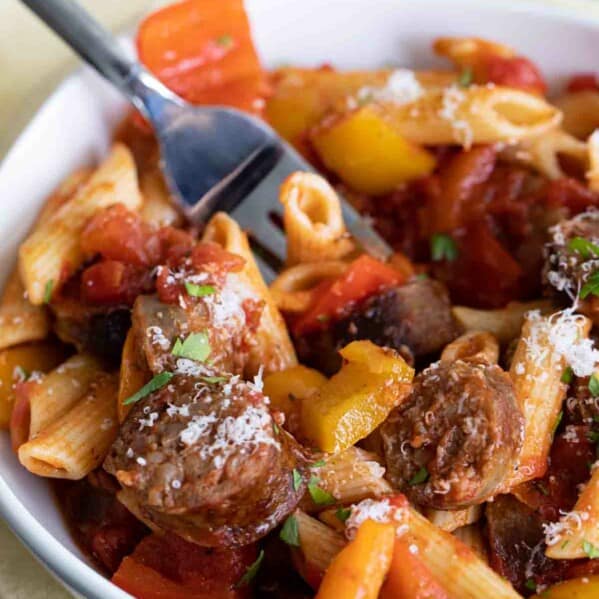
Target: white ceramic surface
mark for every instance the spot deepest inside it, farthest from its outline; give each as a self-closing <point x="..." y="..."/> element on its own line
<point x="74" y="127"/>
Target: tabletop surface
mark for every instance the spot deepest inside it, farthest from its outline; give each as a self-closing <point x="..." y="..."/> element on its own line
<point x="32" y="62"/>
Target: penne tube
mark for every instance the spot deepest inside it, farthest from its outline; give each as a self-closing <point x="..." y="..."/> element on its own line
<point x="593" y="151"/>
<point x="157" y="208"/>
<point x="292" y="290"/>
<point x="77" y="442"/>
<point x="60" y="390"/>
<point x="472" y="536"/>
<point x="576" y="535"/>
<point x="312" y="220"/>
<point x="504" y="324"/>
<point x="133" y="375"/>
<point x="273" y="350"/>
<point x="451" y="520"/>
<point x="52" y="252"/>
<point x="476" y="345"/>
<point x="536" y="371"/>
<point x="581" y="112"/>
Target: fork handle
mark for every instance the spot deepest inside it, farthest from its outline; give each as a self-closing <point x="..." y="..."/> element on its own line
<point x="101" y="50"/>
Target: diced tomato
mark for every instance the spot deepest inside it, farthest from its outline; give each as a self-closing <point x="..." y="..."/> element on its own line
<point x="484" y="273"/>
<point x="112" y="282"/>
<point x="583" y="82"/>
<point x="203" y="51"/>
<point x="571" y="194"/>
<point x="332" y="300"/>
<point x="211" y="256"/>
<point x="167" y="567"/>
<point x="514" y="71"/>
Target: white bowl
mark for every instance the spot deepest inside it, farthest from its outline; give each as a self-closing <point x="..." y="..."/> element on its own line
<point x="74" y="127"/>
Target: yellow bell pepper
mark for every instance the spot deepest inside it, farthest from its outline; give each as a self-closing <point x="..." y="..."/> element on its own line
<point x="357" y="399"/>
<point x="368" y="153"/>
<point x="42" y="357"/>
<point x="359" y="569"/>
<point x="577" y="588"/>
<point x="288" y="388"/>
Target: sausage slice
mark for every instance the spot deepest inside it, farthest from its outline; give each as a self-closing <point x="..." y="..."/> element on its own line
<point x="456" y="437"/>
<point x="206" y="460"/>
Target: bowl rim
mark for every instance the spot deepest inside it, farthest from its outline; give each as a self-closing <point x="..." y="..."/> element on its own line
<point x="79" y="577"/>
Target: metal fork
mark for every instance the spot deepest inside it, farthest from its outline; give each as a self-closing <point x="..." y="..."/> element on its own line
<point x="213" y="158"/>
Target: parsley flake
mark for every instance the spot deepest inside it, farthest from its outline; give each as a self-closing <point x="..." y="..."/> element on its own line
<point x="584" y="247"/>
<point x="297" y="479"/>
<point x="443" y="247"/>
<point x="290" y="532"/>
<point x="211" y="380"/>
<point x="591" y="287"/>
<point x="225" y="41"/>
<point x="567" y="375"/>
<point x="590" y="549"/>
<point x="558" y="421"/>
<point x="466" y="77"/>
<point x="318" y="464"/>
<point x="251" y="571"/>
<point x="195" y="347"/>
<point x="319" y="496"/>
<point x="594" y="385"/>
<point x="343" y="513"/>
<point x="156" y="383"/>
<point x="531" y="585"/>
<point x="48" y="291"/>
<point x="420" y="477"/>
<point x="199" y="290"/>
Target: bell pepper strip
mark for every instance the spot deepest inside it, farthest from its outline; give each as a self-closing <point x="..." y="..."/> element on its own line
<point x="203" y="51"/>
<point x="357" y="572"/>
<point x="357" y="399"/>
<point x="167" y="567"/>
<point x="409" y="577"/>
<point x="364" y="277"/>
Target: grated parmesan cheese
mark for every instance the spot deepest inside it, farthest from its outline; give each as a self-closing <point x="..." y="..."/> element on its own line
<point x="157" y="337"/>
<point x="569" y="523"/>
<point x="401" y="88"/>
<point x="452" y="99"/>
<point x="377" y="510"/>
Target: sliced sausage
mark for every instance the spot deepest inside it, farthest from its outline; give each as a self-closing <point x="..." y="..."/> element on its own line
<point x="207" y="461"/>
<point x="414" y="319"/>
<point x="456" y="437"/>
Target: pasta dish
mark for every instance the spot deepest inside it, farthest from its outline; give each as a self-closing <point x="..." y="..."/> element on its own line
<point x="421" y="428"/>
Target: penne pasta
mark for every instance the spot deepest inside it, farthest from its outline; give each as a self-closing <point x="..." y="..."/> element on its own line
<point x="536" y="371"/>
<point x="451" y="520"/>
<point x="581" y="112"/>
<point x="504" y="324"/>
<point x="312" y="219"/>
<point x="292" y="290"/>
<point x="157" y="207"/>
<point x="52" y="252"/>
<point x="134" y="374"/>
<point x="593" y="151"/>
<point x="477" y="345"/>
<point x="273" y="349"/>
<point x="472" y="536"/>
<point x="77" y="442"/>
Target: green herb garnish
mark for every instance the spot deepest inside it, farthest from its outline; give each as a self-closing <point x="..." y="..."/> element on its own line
<point x="466" y="77"/>
<point x="297" y="479"/>
<point x="565" y="544"/>
<point x="199" y="290"/>
<point x="531" y="585"/>
<point x="290" y="532"/>
<point x="275" y="428"/>
<point x="584" y="247"/>
<point x="211" y="380"/>
<point x="343" y="513"/>
<point x="224" y="40"/>
<point x="318" y="464"/>
<point x="558" y="421"/>
<point x="542" y="488"/>
<point x="567" y="375"/>
<point x="156" y="383"/>
<point x="195" y="347"/>
<point x="443" y="247"/>
<point x="319" y="496"/>
<point x="591" y="551"/>
<point x="251" y="571"/>
<point x="420" y="477"/>
<point x="48" y="291"/>
<point x="591" y="287"/>
<point x="594" y="385"/>
<point x="323" y="318"/>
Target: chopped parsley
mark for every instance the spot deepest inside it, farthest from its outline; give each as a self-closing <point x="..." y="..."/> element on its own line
<point x="224" y="40"/>
<point x="567" y="375"/>
<point x="48" y="291"/>
<point x="323" y="318"/>
<point x="297" y="479"/>
<point x="319" y="496"/>
<point x="558" y="421"/>
<point x="211" y="380"/>
<point x="466" y="77"/>
<point x="156" y="383"/>
<point x="531" y="585"/>
<point x="290" y="532"/>
<point x="420" y="477"/>
<point x="275" y="428"/>
<point x="318" y="464"/>
<point x="199" y="290"/>
<point x="594" y="385"/>
<point x="443" y="247"/>
<point x="251" y="571"/>
<point x="584" y="247"/>
<point x="591" y="287"/>
<point x="591" y="551"/>
<point x="195" y="347"/>
<point x="565" y="544"/>
<point x="343" y="513"/>
<point x="540" y="485"/>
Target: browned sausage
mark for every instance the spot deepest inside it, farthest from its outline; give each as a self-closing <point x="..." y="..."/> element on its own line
<point x="207" y="462"/>
<point x="456" y="437"/>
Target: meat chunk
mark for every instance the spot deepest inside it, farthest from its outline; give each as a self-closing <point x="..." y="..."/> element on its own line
<point x="455" y="438"/>
<point x="572" y="255"/>
<point x="414" y="319"/>
<point x="206" y="460"/>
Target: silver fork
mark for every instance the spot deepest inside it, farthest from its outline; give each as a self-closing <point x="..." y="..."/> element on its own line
<point x="213" y="158"/>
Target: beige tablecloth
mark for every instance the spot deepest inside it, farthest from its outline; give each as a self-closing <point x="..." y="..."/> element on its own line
<point x="32" y="61"/>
